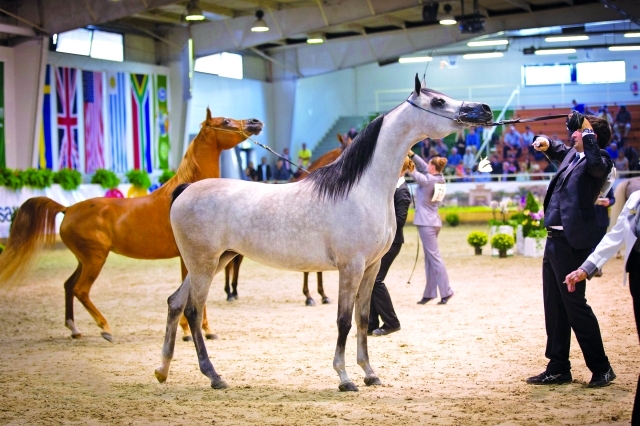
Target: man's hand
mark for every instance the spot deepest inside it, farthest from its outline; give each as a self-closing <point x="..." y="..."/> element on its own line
<point x="541" y="144"/>
<point x="574" y="277"/>
<point x="575" y="121"/>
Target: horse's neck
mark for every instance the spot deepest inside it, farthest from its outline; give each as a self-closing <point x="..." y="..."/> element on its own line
<point x="207" y="156"/>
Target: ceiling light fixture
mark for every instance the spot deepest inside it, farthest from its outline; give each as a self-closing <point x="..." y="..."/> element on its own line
<point x="194" y="13"/>
<point x="566" y="38"/>
<point x="554" y="51"/>
<point x="448" y="18"/>
<point x="260" y="25"/>
<point x="315" y="38"/>
<point x="414" y="59"/>
<point x="623" y="48"/>
<point x="483" y="55"/>
<point x="632" y="34"/>
<point x="487" y="43"/>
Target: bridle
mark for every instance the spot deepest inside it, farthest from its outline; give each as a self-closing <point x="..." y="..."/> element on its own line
<point x="246" y="136"/>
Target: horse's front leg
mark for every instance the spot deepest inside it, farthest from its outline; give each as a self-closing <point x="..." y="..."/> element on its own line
<point x="350" y="278"/>
<point x="363" y="304"/>
<point x="325" y="299"/>
<point x="236" y="271"/>
<point x="305" y="290"/>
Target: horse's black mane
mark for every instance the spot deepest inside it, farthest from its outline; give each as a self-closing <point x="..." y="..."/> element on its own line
<point x="335" y="180"/>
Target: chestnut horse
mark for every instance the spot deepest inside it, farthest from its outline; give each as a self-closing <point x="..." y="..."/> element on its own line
<point x="133" y="227"/>
<point x="233" y="268"/>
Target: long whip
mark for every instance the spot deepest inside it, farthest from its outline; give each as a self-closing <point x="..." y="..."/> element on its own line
<point x="418" y="240"/>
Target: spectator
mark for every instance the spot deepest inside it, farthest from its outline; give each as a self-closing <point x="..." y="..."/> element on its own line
<point x="250" y="172"/>
<point x="455" y="158"/>
<point x="623" y="120"/>
<point x="441" y="147"/>
<point x="352" y="133"/>
<point x="478" y="176"/>
<point x="287" y="164"/>
<point x="281" y="173"/>
<point x="621" y="162"/>
<point x="512" y="142"/>
<point x="423" y="148"/>
<point x="605" y="114"/>
<point x="469" y="159"/>
<point x="433" y="153"/>
<point x="527" y="140"/>
<point x="472" y="140"/>
<point x="612" y="149"/>
<point x="460" y="144"/>
<point x="496" y="166"/>
<point x="578" y="107"/>
<point x="264" y="171"/>
<point x="304" y="156"/>
<point x="508" y="171"/>
<point x="550" y="167"/>
<point x="632" y="156"/>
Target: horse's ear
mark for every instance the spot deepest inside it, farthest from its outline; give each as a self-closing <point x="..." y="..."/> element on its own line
<point x="340" y="139"/>
<point x="209" y="113"/>
<point x="418" y="85"/>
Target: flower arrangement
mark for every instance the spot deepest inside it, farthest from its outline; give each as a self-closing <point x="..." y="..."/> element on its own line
<point x="106" y="178"/>
<point x="502" y="242"/>
<point x="68" y="179"/>
<point x="532" y="218"/>
<point x="477" y="239"/>
<point x="503" y="208"/>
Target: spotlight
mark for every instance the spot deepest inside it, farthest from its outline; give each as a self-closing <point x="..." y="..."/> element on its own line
<point x="260" y="25"/>
<point x="448" y="18"/>
<point x="194" y="13"/>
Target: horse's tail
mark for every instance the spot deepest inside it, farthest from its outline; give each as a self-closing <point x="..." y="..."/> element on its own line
<point x="34" y="227"/>
<point x="620" y="194"/>
<point x="179" y="190"/>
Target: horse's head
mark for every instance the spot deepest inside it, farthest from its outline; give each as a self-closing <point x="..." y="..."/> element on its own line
<point x="230" y="132"/>
<point x="450" y="115"/>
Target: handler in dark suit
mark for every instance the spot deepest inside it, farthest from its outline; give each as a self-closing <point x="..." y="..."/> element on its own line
<point x="573" y="233"/>
<point x="381" y="304"/>
<point x="264" y="171"/>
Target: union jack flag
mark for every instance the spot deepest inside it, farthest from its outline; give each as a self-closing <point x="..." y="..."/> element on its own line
<point x="93" y="121"/>
<point x="67" y="89"/>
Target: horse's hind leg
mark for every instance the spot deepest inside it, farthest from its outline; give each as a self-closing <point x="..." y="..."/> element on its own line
<point x="325" y="299"/>
<point x="184" y="324"/>
<point x="350" y="277"/>
<point x="236" y="271"/>
<point x="177" y="302"/>
<point x="88" y="274"/>
<point x="69" y="321"/>
<point x="305" y="290"/>
<point x="228" y="270"/>
<point x="363" y="304"/>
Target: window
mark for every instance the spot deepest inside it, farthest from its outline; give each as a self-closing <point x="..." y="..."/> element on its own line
<point x="223" y="64"/>
<point x="600" y="72"/>
<point x="538" y="75"/>
<point x="94" y="43"/>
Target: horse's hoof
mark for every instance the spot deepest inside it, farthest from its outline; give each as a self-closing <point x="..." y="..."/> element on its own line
<point x="219" y="384"/>
<point x="160" y="375"/>
<point x="211" y="336"/>
<point x="310" y="302"/>
<point x="348" y="387"/>
<point x="107" y="336"/>
<point x="230" y="299"/>
<point x="186" y="338"/>
<point x="372" y="381"/>
<point x="326" y="300"/>
<point x="76" y="336"/>
<point x="235" y="296"/>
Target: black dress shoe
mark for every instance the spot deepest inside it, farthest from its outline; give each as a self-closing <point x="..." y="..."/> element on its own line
<point x="425" y="300"/>
<point x="444" y="300"/>
<point x="384" y="331"/>
<point x="602" y="379"/>
<point x="547" y="378"/>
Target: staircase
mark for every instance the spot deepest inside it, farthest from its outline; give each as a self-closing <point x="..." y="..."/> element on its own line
<point x="330" y="141"/>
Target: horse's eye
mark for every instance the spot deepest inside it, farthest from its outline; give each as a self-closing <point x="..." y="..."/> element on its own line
<point x="437" y="102"/>
<point x="226" y="121"/>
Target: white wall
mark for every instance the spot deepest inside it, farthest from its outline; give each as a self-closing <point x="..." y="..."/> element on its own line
<point x="12" y="145"/>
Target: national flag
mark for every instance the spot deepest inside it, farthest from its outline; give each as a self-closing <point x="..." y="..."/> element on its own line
<point x="162" y="122"/>
<point x="67" y="120"/>
<point x="93" y="121"/>
<point x="46" y="136"/>
<point x="141" y="121"/>
<point x="117" y="123"/>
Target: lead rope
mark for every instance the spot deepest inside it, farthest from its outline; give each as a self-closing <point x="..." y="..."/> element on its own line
<point x="418" y="239"/>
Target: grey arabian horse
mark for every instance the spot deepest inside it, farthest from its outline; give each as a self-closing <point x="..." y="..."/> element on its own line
<point x="345" y="210"/>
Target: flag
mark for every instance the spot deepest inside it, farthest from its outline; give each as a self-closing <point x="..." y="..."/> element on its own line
<point x="3" y="158"/>
<point x="67" y="120"/>
<point x="117" y="123"/>
<point x="93" y="121"/>
<point x="141" y="122"/>
<point x="162" y="122"/>
<point x="46" y="137"/>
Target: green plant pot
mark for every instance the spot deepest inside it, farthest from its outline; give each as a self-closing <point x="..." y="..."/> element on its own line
<point x="502" y="253"/>
<point x="478" y="251"/>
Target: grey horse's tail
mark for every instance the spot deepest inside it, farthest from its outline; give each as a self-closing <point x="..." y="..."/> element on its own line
<point x="620" y="194"/>
<point x="179" y="190"/>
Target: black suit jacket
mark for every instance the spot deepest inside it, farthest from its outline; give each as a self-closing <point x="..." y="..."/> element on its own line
<point x="259" y="170"/>
<point x="579" y="187"/>
<point x="401" y="202"/>
<point x="602" y="212"/>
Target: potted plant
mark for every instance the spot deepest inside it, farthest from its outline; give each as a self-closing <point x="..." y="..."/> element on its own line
<point x="38" y="179"/>
<point x="106" y="179"/>
<point x="68" y="179"/>
<point x="533" y="243"/>
<point x="502" y="225"/>
<point x="477" y="239"/>
<point x="502" y="242"/>
<point x="12" y="179"/>
<point x="452" y="219"/>
<point x="141" y="182"/>
<point x="165" y="176"/>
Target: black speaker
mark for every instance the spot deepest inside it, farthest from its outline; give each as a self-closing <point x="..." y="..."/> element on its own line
<point x="430" y="12"/>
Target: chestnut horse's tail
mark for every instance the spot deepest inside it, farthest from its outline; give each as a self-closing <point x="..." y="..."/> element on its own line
<point x="33" y="227"/>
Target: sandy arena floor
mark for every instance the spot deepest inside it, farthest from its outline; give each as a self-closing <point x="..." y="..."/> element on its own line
<point x="459" y="364"/>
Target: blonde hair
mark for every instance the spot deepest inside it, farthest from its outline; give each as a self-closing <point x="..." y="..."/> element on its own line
<point x="438" y="163"/>
<point x="407" y="166"/>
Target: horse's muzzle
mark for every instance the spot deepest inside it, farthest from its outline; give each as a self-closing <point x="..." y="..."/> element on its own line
<point x="475" y="113"/>
<point x="253" y="126"/>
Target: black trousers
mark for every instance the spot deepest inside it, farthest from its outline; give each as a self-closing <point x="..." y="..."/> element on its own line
<point x="381" y="305"/>
<point x="564" y="311"/>
<point x="633" y="267"/>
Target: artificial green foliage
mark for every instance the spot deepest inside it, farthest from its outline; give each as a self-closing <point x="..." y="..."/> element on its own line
<point x="68" y="179"/>
<point x="477" y="239"/>
<point x="165" y="176"/>
<point x="538" y="234"/>
<point x="39" y="179"/>
<point x="106" y="178"/>
<point x="502" y="242"/>
<point x="12" y="179"/>
<point x="139" y="178"/>
<point x="531" y="204"/>
<point x="452" y="219"/>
